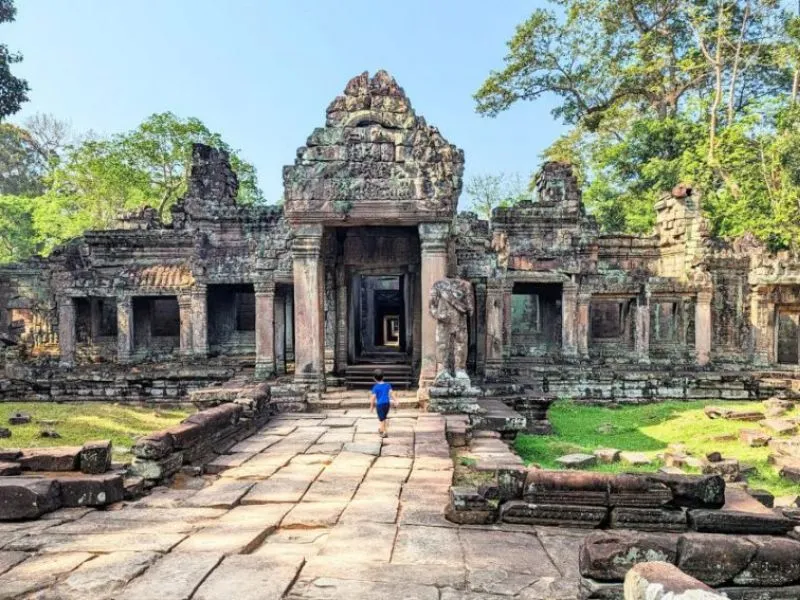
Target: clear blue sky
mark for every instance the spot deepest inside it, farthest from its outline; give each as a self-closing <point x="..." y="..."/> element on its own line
<point x="261" y="73"/>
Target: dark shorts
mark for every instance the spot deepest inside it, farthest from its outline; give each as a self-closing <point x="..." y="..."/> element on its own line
<point x="383" y="411"/>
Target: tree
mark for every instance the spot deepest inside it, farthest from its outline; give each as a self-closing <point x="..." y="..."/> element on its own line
<point x="29" y="152"/>
<point x="660" y="92"/>
<point x="100" y="179"/>
<point x="487" y="192"/>
<point x="13" y="90"/>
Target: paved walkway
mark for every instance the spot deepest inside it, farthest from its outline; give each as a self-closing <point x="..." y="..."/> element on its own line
<point x="313" y="506"/>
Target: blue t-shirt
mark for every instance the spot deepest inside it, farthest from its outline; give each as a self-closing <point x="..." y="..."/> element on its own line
<point x="381" y="391"/>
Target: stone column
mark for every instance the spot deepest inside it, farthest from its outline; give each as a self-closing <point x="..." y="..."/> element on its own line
<point x="569" y="320"/>
<point x="702" y="327"/>
<point x="760" y="330"/>
<point x="433" y="238"/>
<point x="582" y="325"/>
<point x="66" y="331"/>
<point x="124" y="329"/>
<point x="186" y="338"/>
<point x="265" y="329"/>
<point x="94" y="319"/>
<point x="495" y="296"/>
<point x="199" y="319"/>
<point x="641" y="341"/>
<point x="280" y="334"/>
<point x="480" y="329"/>
<point x="289" y="314"/>
<point x="308" y="306"/>
<point x="341" y="321"/>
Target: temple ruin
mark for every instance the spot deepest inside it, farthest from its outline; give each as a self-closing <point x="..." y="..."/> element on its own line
<point x="320" y="290"/>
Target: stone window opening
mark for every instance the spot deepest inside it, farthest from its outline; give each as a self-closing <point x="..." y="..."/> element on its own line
<point x="788" y="337"/>
<point x="166" y="320"/>
<point x="664" y="322"/>
<point x="535" y="319"/>
<point x="232" y="319"/>
<point x="245" y="306"/>
<point x="95" y="319"/>
<point x="156" y="325"/>
<point x="611" y="327"/>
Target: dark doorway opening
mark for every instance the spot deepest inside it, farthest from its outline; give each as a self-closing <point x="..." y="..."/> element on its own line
<point x="379" y="305"/>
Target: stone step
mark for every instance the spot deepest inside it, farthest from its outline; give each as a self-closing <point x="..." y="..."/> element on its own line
<point x="498" y="417"/>
<point x="325" y="403"/>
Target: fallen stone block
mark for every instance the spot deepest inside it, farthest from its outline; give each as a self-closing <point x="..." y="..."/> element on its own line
<point x="50" y="459"/>
<point x="729" y="521"/>
<point x="791" y="470"/>
<point x="554" y="487"/>
<point x="185" y="435"/>
<point x="763" y="496"/>
<point x="517" y="511"/>
<point x="134" y="487"/>
<point x="637" y="491"/>
<point x="779" y="426"/>
<point x="664" y="581"/>
<point x="634" y="458"/>
<point x="19" y="419"/>
<point x="91" y="490"/>
<point x="156" y="470"/>
<point x="789" y="447"/>
<point x="714" y="558"/>
<point x="5" y="432"/>
<point x="95" y="457"/>
<point x="694" y="491"/>
<point x="607" y="455"/>
<point x="778" y="403"/>
<point x="28" y="497"/>
<point x="10" y="454"/>
<point x="776" y="562"/>
<point x="713" y="457"/>
<point x="649" y="519"/>
<point x="728" y="469"/>
<point x="607" y="555"/>
<point x="153" y="446"/>
<point x="775" y="412"/>
<point x="469" y="516"/>
<point x="754" y="438"/>
<point x="577" y="461"/>
<point x="9" y="468"/>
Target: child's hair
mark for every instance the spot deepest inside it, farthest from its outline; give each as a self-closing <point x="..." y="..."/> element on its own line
<point x="378" y="375"/>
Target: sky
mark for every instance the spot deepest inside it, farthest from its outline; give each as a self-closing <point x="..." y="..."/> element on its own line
<point x="261" y="73"/>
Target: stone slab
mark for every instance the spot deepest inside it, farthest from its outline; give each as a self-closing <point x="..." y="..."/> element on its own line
<point x="11" y="559"/>
<point x="341" y="589"/>
<point x="39" y="572"/>
<point x="287" y="485"/>
<point x="255" y="577"/>
<point x="175" y="576"/>
<point x="517" y="511"/>
<point x="103" y="577"/>
<point x="100" y="542"/>
<point x="577" y="461"/>
<point x="227" y="461"/>
<point x="429" y="546"/>
<point x="27" y="497"/>
<point x="510" y="551"/>
<point x="361" y="542"/>
<point x="223" y="493"/>
<point x="91" y="490"/>
<point x="50" y="459"/>
<point x="779" y="426"/>
<point x="313" y="515"/>
<point x="634" y="458"/>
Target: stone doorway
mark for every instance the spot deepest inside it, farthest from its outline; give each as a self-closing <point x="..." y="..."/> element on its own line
<point x="788" y="338"/>
<point x="380" y="319"/>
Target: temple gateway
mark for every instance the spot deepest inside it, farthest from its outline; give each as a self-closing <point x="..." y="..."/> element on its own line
<point x="336" y="281"/>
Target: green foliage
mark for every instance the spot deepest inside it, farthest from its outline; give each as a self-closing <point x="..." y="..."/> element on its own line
<point x="13" y="90"/>
<point x="16" y="228"/>
<point x="90" y="184"/>
<point x="647" y="428"/>
<point x="664" y="92"/>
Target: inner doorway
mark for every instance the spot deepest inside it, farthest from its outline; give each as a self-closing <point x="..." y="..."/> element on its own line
<point x="380" y="319"/>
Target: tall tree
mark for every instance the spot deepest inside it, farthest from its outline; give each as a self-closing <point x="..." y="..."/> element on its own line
<point x="489" y="191"/>
<point x="13" y="90"/>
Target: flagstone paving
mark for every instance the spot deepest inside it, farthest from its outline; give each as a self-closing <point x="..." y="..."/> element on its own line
<point x="313" y="506"/>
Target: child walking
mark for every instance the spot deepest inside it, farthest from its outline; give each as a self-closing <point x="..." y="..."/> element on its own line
<point x="381" y="398"/>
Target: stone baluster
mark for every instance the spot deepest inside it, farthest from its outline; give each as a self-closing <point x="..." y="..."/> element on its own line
<point x="641" y="341"/>
<point x="308" y="306"/>
<point x="265" y="329"/>
<point x="124" y="329"/>
<point x="582" y="326"/>
<point x="433" y="244"/>
<point x="200" y="319"/>
<point x="186" y="336"/>
<point x="702" y="327"/>
<point x="66" y="331"/>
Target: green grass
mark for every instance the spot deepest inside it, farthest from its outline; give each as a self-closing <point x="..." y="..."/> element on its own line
<point x="83" y="421"/>
<point x="650" y="428"/>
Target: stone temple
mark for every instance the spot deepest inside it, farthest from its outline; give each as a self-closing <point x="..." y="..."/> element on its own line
<point x="321" y="290"/>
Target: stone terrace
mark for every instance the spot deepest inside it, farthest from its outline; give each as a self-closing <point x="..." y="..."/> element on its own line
<point x="314" y="506"/>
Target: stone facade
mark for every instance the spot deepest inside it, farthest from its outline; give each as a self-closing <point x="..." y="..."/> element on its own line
<point x="336" y="281"/>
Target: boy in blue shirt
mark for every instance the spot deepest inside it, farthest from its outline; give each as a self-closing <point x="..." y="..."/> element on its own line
<point x="381" y="398"/>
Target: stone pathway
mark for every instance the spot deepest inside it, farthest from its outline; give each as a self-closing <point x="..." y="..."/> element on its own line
<point x="313" y="506"/>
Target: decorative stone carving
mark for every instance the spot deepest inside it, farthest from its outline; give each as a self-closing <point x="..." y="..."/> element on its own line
<point x="451" y="303"/>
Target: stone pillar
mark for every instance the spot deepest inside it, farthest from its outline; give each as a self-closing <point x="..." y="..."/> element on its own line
<point x="124" y="329"/>
<point x="433" y="238"/>
<point x="199" y="319"/>
<point x="308" y="306"/>
<point x="582" y="325"/>
<point x="569" y="320"/>
<point x="186" y="337"/>
<point x="66" y="331"/>
<point x="641" y="341"/>
<point x="265" y="329"/>
<point x="480" y="329"/>
<point x="495" y="297"/>
<point x="280" y="334"/>
<point x="761" y="331"/>
<point x="341" y="321"/>
<point x="702" y="327"/>
<point x="94" y="319"/>
<point x="289" y="314"/>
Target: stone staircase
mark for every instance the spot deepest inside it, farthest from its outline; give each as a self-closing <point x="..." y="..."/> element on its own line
<point x="343" y="398"/>
<point x="400" y="375"/>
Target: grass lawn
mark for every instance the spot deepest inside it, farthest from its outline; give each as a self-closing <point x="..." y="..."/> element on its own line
<point x="82" y="421"/>
<point x="650" y="428"/>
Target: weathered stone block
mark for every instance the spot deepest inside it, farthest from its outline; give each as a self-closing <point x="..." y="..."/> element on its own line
<point x="92" y="490"/>
<point x="5" y="432"/>
<point x="156" y="470"/>
<point x="637" y="491"/>
<point x="728" y="469"/>
<point x="706" y="491"/>
<point x="95" y="457"/>
<point x="634" y="458"/>
<point x="9" y="468"/>
<point x="664" y="581"/>
<point x="649" y="519"/>
<point x="729" y="521"/>
<point x="27" y="497"/>
<point x="776" y="562"/>
<point x="607" y="455"/>
<point x="577" y="461"/>
<point x="50" y="459"/>
<point x="607" y="555"/>
<point x="19" y="419"/>
<point x="153" y="446"/>
<point x="713" y="558"/>
<point x="518" y="511"/>
<point x="10" y="454"/>
<point x="779" y="426"/>
<point x="554" y="487"/>
<point x="754" y="438"/>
